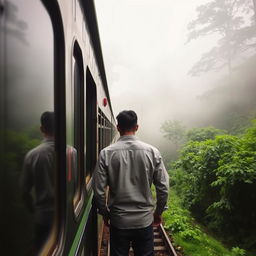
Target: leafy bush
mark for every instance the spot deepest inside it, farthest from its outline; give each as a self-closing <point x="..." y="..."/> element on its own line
<point x="216" y="179"/>
<point x="187" y="234"/>
<point x="236" y="251"/>
<point x="190" y="235"/>
<point x="202" y="134"/>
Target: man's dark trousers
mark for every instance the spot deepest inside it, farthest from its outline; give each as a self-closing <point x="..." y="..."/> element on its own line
<point x="141" y="240"/>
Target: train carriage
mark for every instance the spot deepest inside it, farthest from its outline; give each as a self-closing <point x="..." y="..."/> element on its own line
<point x="51" y="60"/>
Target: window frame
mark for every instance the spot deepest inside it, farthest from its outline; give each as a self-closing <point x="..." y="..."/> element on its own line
<point x="90" y="127"/>
<point x="55" y="244"/>
<point x="78" y="125"/>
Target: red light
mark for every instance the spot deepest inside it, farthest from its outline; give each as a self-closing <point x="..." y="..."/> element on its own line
<point x="105" y="102"/>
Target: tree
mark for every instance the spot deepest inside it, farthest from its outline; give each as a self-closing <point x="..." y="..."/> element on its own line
<point x="216" y="179"/>
<point x="202" y="134"/>
<point x="174" y="131"/>
<point x="227" y="18"/>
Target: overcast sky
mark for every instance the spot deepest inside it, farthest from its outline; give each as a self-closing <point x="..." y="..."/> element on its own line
<point x="147" y="58"/>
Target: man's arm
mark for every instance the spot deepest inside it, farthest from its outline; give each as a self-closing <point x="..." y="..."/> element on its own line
<point x="161" y="182"/>
<point x="100" y="182"/>
<point x="26" y="183"/>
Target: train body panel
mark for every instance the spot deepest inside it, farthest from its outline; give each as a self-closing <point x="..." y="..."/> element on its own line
<point x="51" y="60"/>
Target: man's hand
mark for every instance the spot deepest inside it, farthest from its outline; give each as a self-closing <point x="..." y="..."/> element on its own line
<point x="157" y="220"/>
<point x="106" y="220"/>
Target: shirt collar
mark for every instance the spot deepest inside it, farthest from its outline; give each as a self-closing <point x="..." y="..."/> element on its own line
<point x="127" y="137"/>
<point x="48" y="140"/>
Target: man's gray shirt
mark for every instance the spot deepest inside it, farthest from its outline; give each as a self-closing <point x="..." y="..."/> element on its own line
<point x="129" y="167"/>
<point x="38" y="172"/>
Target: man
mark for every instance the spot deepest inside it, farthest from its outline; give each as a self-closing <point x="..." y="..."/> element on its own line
<point x="129" y="167"/>
<point x="38" y="173"/>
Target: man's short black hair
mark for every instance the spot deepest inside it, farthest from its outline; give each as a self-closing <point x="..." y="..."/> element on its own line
<point x="47" y="122"/>
<point x="126" y="120"/>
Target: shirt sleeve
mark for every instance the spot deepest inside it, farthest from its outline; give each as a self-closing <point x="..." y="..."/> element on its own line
<point x="26" y="183"/>
<point x="161" y="182"/>
<point x="100" y="182"/>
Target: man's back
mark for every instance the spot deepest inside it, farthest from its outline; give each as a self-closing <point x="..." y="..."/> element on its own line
<point x="130" y="167"/>
<point x="38" y="172"/>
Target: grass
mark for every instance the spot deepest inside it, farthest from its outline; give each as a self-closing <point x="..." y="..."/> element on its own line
<point x="190" y="236"/>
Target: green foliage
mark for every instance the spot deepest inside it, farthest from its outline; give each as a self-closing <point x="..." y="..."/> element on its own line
<point x="202" y="134"/>
<point x="237" y="123"/>
<point x="16" y="145"/>
<point x="236" y="251"/>
<point x="216" y="179"/>
<point x="178" y="220"/>
<point x="187" y="234"/>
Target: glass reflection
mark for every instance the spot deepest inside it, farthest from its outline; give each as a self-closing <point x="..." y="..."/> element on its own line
<point x="38" y="174"/>
<point x="26" y="91"/>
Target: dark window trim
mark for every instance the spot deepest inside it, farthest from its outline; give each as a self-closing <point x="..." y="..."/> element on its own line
<point x="57" y="245"/>
<point x="78" y="200"/>
<point x="91" y="127"/>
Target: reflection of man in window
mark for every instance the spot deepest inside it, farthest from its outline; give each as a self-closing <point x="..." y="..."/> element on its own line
<point x="37" y="174"/>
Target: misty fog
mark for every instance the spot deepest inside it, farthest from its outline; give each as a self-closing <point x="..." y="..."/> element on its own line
<point x="148" y="57"/>
<point x="24" y="72"/>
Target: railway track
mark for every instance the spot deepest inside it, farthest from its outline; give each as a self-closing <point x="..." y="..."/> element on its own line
<point x="162" y="243"/>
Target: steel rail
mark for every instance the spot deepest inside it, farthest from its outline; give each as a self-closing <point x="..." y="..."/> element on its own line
<point x="162" y="243"/>
<point x="167" y="241"/>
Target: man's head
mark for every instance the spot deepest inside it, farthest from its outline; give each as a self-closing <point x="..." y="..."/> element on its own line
<point x="47" y="123"/>
<point x="127" y="122"/>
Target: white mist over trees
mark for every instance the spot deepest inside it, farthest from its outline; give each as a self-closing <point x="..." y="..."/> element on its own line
<point x="230" y="104"/>
<point x="174" y="131"/>
<point x="229" y="19"/>
<point x="148" y="61"/>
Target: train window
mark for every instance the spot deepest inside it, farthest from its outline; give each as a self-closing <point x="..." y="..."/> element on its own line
<point x="91" y="126"/>
<point x="104" y="130"/>
<point x="99" y="130"/>
<point x="78" y="84"/>
<point x="27" y="162"/>
<point x="104" y="133"/>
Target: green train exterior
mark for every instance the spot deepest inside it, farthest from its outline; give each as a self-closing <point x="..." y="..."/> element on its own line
<point x="51" y="60"/>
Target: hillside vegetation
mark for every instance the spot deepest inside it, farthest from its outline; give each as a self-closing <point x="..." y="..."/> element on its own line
<point x="215" y="179"/>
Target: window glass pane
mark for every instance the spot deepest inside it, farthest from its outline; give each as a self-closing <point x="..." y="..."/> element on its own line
<point x="91" y="126"/>
<point x="78" y="78"/>
<point x="77" y="130"/>
<point x="27" y="152"/>
<point x="104" y="130"/>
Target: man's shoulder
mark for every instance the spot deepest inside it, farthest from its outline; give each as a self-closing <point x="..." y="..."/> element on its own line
<point x="147" y="146"/>
<point x="135" y="145"/>
<point x="113" y="146"/>
<point x="39" y="150"/>
<point x="34" y="151"/>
